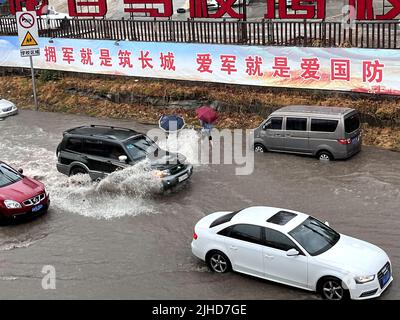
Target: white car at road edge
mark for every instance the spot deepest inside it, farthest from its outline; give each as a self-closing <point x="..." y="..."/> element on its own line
<point x="7" y="108"/>
<point x="292" y="248"/>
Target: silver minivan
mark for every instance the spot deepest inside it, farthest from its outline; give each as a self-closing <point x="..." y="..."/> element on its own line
<point x="325" y="132"/>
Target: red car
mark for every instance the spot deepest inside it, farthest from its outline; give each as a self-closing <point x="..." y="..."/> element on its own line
<point x="19" y="194"/>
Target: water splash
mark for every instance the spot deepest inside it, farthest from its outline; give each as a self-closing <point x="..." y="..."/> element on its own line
<point x="186" y="142"/>
<point x="123" y="193"/>
<point x="17" y="245"/>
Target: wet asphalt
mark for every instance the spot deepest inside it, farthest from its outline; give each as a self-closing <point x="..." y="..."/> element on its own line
<point x="140" y="248"/>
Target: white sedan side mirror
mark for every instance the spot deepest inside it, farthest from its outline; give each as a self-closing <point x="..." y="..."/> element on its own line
<point x="327" y="223"/>
<point x="292" y="253"/>
<point x="122" y="158"/>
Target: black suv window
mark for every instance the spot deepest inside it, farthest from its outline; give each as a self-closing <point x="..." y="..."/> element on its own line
<point x="278" y="240"/>
<point x="139" y="147"/>
<point x="323" y="125"/>
<point x="296" y="124"/>
<point x="103" y="149"/>
<point x="274" y="124"/>
<point x="135" y="152"/>
<point x="74" y="144"/>
<point x="247" y="232"/>
<point x="115" y="151"/>
<point x="95" y="148"/>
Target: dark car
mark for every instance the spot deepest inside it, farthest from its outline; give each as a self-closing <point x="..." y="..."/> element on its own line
<point x="20" y="195"/>
<point x="100" y="150"/>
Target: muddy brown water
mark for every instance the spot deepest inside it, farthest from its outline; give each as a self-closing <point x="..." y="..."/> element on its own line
<point x="138" y="247"/>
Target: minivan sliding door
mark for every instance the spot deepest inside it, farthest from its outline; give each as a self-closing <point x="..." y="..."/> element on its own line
<point x="296" y="135"/>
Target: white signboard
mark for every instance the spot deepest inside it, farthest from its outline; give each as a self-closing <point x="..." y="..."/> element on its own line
<point x="28" y="35"/>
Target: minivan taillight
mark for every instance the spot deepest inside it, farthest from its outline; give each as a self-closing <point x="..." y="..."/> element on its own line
<point x="344" y="141"/>
<point x="195" y="236"/>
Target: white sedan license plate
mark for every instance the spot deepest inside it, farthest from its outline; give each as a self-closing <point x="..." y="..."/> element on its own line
<point x="184" y="177"/>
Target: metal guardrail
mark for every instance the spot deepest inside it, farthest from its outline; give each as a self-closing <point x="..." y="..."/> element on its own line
<point x="380" y="35"/>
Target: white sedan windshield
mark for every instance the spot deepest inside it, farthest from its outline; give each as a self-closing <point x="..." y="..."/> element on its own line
<point x="314" y="236"/>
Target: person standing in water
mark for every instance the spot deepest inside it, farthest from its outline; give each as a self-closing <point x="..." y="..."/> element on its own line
<point x="206" y="129"/>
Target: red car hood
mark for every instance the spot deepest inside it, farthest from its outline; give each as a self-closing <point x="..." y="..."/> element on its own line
<point x="21" y="190"/>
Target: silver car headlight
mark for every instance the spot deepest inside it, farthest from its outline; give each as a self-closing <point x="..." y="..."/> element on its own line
<point x="364" y="279"/>
<point x="11" y="204"/>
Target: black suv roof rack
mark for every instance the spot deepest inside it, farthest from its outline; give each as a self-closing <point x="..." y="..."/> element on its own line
<point x="111" y="127"/>
<point x="101" y="126"/>
<point x="125" y="133"/>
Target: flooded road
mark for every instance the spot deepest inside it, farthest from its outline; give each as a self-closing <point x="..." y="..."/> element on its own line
<point x="105" y="242"/>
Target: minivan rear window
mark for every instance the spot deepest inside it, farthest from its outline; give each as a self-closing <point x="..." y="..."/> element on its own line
<point x="352" y="123"/>
<point x="225" y="218"/>
<point x="324" y="125"/>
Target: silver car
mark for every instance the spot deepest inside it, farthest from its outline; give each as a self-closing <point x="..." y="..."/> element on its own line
<point x="325" y="132"/>
<point x="7" y="108"/>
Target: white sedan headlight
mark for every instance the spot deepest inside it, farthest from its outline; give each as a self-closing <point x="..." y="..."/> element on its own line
<point x="364" y="279"/>
<point x="11" y="204"/>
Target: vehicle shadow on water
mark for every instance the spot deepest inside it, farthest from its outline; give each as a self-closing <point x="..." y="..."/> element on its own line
<point x="179" y="190"/>
<point x="281" y="291"/>
<point x="23" y="220"/>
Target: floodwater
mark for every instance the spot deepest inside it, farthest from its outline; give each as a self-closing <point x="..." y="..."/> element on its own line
<point x="119" y="238"/>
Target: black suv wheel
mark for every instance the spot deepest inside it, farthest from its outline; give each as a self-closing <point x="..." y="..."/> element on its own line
<point x="77" y="170"/>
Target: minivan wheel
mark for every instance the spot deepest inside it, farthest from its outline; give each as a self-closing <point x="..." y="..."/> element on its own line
<point x="218" y="262"/>
<point x="77" y="170"/>
<point x="259" y="148"/>
<point x="325" y="156"/>
<point x="331" y="289"/>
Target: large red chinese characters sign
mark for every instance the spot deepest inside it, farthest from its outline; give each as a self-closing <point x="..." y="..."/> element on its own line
<point x="299" y="9"/>
<point x="365" y="10"/>
<point x="40" y="6"/>
<point x="87" y="8"/>
<point x="199" y="9"/>
<point x="153" y="11"/>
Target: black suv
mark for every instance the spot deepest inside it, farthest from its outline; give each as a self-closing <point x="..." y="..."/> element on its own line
<point x="100" y="150"/>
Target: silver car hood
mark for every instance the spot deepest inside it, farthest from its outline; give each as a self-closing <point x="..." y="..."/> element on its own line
<point x="5" y="103"/>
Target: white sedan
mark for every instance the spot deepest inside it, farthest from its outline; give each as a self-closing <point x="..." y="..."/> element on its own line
<point x="7" y="108"/>
<point x="292" y="248"/>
